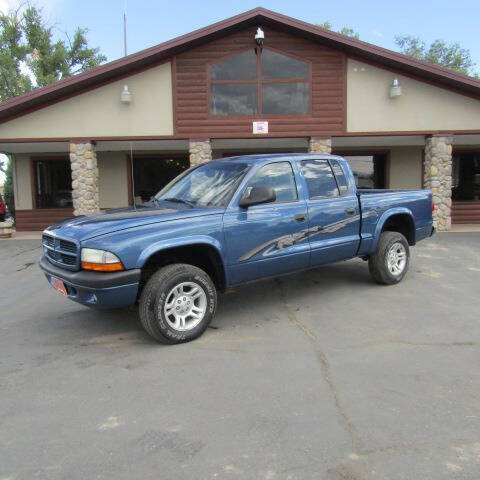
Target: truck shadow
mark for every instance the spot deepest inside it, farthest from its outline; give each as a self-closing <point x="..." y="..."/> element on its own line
<point x="243" y="305"/>
<point x="323" y="284"/>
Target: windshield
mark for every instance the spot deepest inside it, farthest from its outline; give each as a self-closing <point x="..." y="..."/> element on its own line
<point x="210" y="185"/>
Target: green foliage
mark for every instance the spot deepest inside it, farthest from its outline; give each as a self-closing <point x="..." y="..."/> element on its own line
<point x="325" y="24"/>
<point x="349" y="32"/>
<point x="8" y="188"/>
<point x="30" y="57"/>
<point x="450" y="55"/>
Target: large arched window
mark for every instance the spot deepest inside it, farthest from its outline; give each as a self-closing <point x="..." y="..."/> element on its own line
<point x="267" y="83"/>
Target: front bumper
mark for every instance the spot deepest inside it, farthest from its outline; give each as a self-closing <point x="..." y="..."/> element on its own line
<point x="96" y="289"/>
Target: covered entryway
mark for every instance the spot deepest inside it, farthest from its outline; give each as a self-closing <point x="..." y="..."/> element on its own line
<point x="46" y="175"/>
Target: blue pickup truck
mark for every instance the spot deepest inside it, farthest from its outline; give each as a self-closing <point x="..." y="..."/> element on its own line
<point x="227" y="222"/>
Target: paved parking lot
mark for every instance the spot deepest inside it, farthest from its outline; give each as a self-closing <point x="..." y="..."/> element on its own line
<point x="320" y="375"/>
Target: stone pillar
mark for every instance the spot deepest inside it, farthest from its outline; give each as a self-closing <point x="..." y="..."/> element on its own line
<point x="200" y="152"/>
<point x="320" y="145"/>
<point x="438" y="178"/>
<point x="83" y="160"/>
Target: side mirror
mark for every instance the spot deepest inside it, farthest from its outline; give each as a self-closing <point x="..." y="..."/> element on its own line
<point x="257" y="196"/>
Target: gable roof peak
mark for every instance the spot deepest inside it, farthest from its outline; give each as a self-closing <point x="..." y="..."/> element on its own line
<point x="154" y="55"/>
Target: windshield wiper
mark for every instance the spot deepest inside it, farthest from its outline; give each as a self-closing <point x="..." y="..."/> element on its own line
<point x="180" y="200"/>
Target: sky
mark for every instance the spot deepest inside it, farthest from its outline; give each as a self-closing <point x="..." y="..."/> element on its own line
<point x="150" y="22"/>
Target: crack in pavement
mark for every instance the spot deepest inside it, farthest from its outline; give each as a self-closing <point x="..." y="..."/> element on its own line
<point x="26" y="251"/>
<point x="357" y="443"/>
<point x="408" y="344"/>
<point x="25" y="266"/>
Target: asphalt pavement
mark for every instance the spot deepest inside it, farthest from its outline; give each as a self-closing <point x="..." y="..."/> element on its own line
<point x="318" y="375"/>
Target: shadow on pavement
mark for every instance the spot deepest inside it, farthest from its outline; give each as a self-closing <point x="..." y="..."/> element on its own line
<point x="253" y="301"/>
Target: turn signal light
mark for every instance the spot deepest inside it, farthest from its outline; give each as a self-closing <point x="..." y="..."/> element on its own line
<point x="100" y="260"/>
<point x="102" y="267"/>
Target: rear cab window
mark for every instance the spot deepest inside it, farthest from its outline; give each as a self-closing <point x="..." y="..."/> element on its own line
<point x="320" y="180"/>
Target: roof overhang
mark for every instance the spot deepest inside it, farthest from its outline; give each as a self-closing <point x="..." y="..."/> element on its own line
<point x="259" y="16"/>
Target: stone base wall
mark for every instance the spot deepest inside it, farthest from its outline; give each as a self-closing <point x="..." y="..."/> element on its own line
<point x="83" y="162"/>
<point x="200" y="152"/>
<point x="438" y="178"/>
<point x="320" y="145"/>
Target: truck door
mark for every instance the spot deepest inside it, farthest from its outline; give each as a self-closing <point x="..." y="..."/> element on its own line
<point x="268" y="239"/>
<point x="333" y="212"/>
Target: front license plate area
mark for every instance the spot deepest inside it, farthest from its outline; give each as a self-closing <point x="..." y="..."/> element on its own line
<point x="59" y="286"/>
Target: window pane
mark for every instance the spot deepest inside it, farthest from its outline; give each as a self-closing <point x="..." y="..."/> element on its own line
<point x="238" y="67"/>
<point x="368" y="170"/>
<point x="466" y="176"/>
<point x="340" y="176"/>
<point x="285" y="98"/>
<point x="320" y="180"/>
<point x="152" y="174"/>
<point x="53" y="184"/>
<point x="234" y="99"/>
<point x="278" y="176"/>
<point x="276" y="65"/>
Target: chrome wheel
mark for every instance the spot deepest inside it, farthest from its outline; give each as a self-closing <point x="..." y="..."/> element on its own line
<point x="396" y="259"/>
<point x="185" y="306"/>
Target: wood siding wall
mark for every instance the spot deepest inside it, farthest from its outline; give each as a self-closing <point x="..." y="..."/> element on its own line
<point x="466" y="212"/>
<point x="39" y="219"/>
<point x="191" y="97"/>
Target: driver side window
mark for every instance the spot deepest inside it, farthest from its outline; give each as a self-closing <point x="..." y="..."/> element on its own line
<point x="278" y="176"/>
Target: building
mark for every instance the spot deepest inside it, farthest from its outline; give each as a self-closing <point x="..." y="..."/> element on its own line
<point x="118" y="133"/>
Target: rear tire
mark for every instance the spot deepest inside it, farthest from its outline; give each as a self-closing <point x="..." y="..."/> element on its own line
<point x="389" y="264"/>
<point x="177" y="303"/>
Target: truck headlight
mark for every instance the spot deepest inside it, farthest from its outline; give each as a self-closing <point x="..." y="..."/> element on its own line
<point x="100" y="260"/>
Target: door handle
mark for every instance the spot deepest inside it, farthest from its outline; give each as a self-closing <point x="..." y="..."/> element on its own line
<point x="300" y="217"/>
<point x="350" y="211"/>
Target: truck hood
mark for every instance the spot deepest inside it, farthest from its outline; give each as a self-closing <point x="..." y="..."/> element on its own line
<point x="88" y="226"/>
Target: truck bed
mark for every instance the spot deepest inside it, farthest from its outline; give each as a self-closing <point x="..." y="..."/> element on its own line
<point x="375" y="203"/>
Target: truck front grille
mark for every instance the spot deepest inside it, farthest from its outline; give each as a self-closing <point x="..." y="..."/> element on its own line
<point x="68" y="246"/>
<point x="61" y="252"/>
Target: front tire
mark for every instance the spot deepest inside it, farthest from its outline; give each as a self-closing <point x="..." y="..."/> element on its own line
<point x="177" y="303"/>
<point x="389" y="264"/>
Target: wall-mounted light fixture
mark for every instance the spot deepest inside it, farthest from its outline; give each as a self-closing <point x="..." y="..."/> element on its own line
<point x="395" y="89"/>
<point x="126" y="95"/>
<point x="260" y="37"/>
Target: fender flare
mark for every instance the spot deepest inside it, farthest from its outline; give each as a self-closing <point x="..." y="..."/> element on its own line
<point x="385" y="216"/>
<point x="179" y="242"/>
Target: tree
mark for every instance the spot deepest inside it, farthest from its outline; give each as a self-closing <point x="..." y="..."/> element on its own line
<point x="450" y="55"/>
<point x="30" y="56"/>
<point x="349" y="32"/>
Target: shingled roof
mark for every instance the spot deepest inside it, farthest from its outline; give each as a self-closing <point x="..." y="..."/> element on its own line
<point x="258" y="16"/>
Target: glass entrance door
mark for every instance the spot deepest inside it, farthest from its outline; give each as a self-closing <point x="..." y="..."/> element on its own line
<point x="466" y="187"/>
<point x="53" y="183"/>
<point x="466" y="177"/>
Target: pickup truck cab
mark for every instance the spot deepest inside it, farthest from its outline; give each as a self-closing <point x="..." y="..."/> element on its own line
<point x="227" y="222"/>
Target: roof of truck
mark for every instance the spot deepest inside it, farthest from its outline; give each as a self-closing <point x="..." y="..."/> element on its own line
<point x="261" y="157"/>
